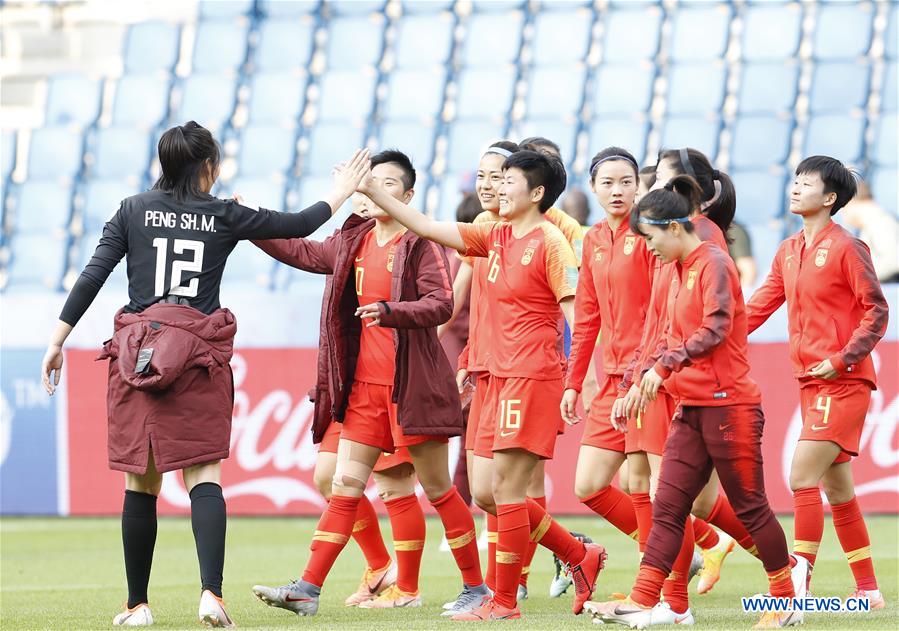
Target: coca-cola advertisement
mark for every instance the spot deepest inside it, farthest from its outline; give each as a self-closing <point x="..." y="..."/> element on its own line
<point x="272" y="457"/>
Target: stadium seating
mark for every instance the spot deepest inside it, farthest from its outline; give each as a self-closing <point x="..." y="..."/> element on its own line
<point x="43" y="207"/>
<point x="354" y="42"/>
<point x="761" y="196"/>
<point x="836" y="135"/>
<point x="414" y="94"/>
<point x="73" y="99"/>
<point x="760" y="140"/>
<point x="221" y="46"/>
<point x="839" y="86"/>
<point x="699" y="132"/>
<point x="467" y="140"/>
<point x="151" y="47"/>
<point x="284" y="44"/>
<point x="207" y="99"/>
<point x="121" y="152"/>
<point x="561" y="37"/>
<point x="629" y="133"/>
<point x="696" y="88"/>
<point x="7" y="152"/>
<point x="141" y="100"/>
<point x="772" y="31"/>
<point x="768" y="87"/>
<point x="266" y="150"/>
<point x="37" y="261"/>
<point x="277" y="98"/>
<point x="623" y="88"/>
<point x="492" y="40"/>
<point x="843" y="30"/>
<point x="55" y="152"/>
<point x="700" y="32"/>
<point x="632" y="33"/>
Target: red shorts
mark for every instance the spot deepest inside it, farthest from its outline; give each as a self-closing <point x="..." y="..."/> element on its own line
<point x="835" y="412"/>
<point x="478" y="434"/>
<point x="598" y="431"/>
<point x="649" y="431"/>
<point x="386" y="461"/>
<point x="527" y="414"/>
<point x="371" y="419"/>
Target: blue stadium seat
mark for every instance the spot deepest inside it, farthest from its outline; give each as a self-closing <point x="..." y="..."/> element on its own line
<point x="73" y="99"/>
<point x="414" y="94"/>
<point x="37" y="262"/>
<point x="414" y="139"/>
<point x="768" y="88"/>
<point x="277" y="97"/>
<point x="628" y="133"/>
<point x="122" y="152"/>
<point x="492" y="39"/>
<point x="696" y="88"/>
<point x="355" y="42"/>
<point x="43" y="207"/>
<point x="287" y="8"/>
<point x="141" y="100"/>
<point x="839" y="136"/>
<point x="843" y="30"/>
<point x="555" y="91"/>
<point x="623" y="88"/>
<point x="699" y="132"/>
<point x="411" y="7"/>
<point x="346" y="95"/>
<point x="494" y="6"/>
<point x="891" y="35"/>
<point x="700" y="32"/>
<point x="102" y="199"/>
<point x="561" y="37"/>
<point x="207" y="99"/>
<point x="220" y="46"/>
<point x="559" y="131"/>
<point x="424" y="40"/>
<point x="840" y="86"/>
<point x="329" y="144"/>
<point x="266" y="150"/>
<point x="884" y="189"/>
<point x="284" y="44"/>
<point x="151" y="47"/>
<point x="467" y="140"/>
<point x="258" y="192"/>
<point x="356" y="7"/>
<point x="765" y="239"/>
<point x="248" y="268"/>
<point x="761" y="195"/>
<point x="485" y="92"/>
<point x="313" y="189"/>
<point x="7" y="152"/>
<point x="884" y="153"/>
<point x="55" y="152"/>
<point x="216" y="9"/>
<point x="771" y="31"/>
<point x="632" y="33"/>
<point x="759" y="141"/>
<point x="449" y="197"/>
<point x="889" y="92"/>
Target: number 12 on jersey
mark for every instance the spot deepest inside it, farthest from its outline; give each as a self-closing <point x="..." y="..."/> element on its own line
<point x="179" y="246"/>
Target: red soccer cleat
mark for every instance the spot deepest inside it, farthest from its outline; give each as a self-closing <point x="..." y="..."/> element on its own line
<point x="585" y="573"/>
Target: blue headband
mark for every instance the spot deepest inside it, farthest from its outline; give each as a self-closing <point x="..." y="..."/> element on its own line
<point x="499" y="151"/>
<point x="664" y="222"/>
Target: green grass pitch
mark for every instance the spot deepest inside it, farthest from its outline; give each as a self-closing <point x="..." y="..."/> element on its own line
<point x="68" y="574"/>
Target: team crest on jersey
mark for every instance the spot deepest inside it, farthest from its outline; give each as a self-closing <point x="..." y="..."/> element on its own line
<point x="597" y="254"/>
<point x="821" y="257"/>
<point x="629" y="242"/>
<point x="528" y="255"/>
<point x="691" y="278"/>
<point x="391" y="253"/>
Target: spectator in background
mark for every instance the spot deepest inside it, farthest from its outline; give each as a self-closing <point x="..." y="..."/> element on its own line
<point x="576" y="205"/>
<point x="647" y="180"/>
<point x="739" y="246"/>
<point x="878" y="229"/>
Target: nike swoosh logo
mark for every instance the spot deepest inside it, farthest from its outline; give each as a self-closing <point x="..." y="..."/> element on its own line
<point x="374" y="590"/>
<point x="504" y="434"/>
<point x="721" y="428"/>
<point x="815" y="428"/>
<point x="619" y="612"/>
<point x="297" y="600"/>
<point x="359" y="259"/>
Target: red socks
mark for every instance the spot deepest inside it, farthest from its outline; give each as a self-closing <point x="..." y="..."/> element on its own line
<point x="853" y="536"/>
<point x="492" y="527"/>
<point x="648" y="586"/>
<point x="548" y="533"/>
<point x="643" y="513"/>
<point x="723" y="517"/>
<point x="675" y="586"/>
<point x="512" y="542"/>
<point x="367" y="533"/>
<point x="706" y="536"/>
<point x="460" y="535"/>
<point x="408" y="523"/>
<point x="330" y="537"/>
<point x="616" y="507"/>
<point x="808" y="528"/>
<point x="532" y="548"/>
<point x="781" y="584"/>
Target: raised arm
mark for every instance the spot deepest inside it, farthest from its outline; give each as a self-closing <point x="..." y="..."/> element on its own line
<point x="304" y="254"/>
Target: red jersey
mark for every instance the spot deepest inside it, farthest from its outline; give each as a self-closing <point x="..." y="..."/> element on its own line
<point x="835" y="307"/>
<point x="704" y="354"/>
<point x="526" y="278"/>
<point x="613" y="294"/>
<point x="474" y="355"/>
<point x="374" y="273"/>
<point x="657" y="311"/>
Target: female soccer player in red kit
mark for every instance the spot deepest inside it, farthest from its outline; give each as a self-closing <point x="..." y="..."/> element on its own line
<point x="836" y="314"/>
<point x="531" y="273"/>
<point x="388" y="382"/>
<point x="719" y="424"/>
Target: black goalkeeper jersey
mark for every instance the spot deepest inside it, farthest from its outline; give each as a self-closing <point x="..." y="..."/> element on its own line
<point x="179" y="249"/>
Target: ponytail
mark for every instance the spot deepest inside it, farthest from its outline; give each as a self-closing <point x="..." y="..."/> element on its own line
<point x="718" y="196"/>
<point x="183" y="152"/>
<point x="673" y="203"/>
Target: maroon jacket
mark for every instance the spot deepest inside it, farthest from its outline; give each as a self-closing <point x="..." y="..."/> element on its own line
<point x="421" y="297"/>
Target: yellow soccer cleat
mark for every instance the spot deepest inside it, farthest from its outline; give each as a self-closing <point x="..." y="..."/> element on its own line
<point x="779" y="619"/>
<point x="392" y="598"/>
<point x="712" y="560"/>
<point x="372" y="585"/>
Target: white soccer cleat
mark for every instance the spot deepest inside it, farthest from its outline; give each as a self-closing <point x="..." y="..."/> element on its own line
<point x="624" y="612"/>
<point x="212" y="611"/>
<point x="779" y="619"/>
<point x="139" y="616"/>
<point x="482" y="540"/>
<point x="469" y="599"/>
<point x="522" y="593"/>
<point x="696" y="565"/>
<point x="799" y="574"/>
<point x="299" y="597"/>
<point x="663" y="614"/>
